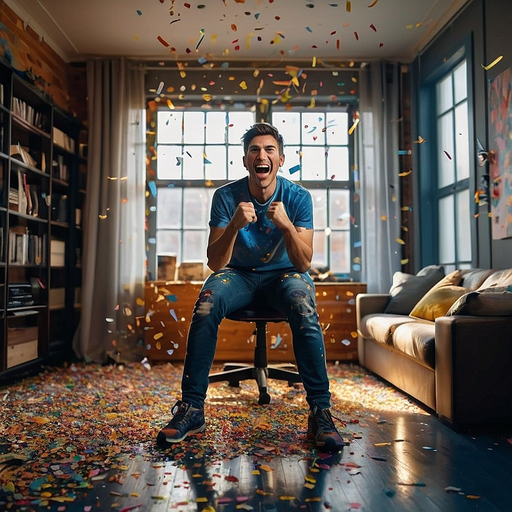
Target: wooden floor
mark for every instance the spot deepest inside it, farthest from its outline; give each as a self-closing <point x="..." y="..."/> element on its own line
<point x="395" y="462"/>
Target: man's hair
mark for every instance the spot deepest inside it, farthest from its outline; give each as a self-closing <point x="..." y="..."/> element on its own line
<point x="262" y="129"/>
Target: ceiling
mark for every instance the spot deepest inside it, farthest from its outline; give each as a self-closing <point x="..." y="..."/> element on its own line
<point x="238" y="30"/>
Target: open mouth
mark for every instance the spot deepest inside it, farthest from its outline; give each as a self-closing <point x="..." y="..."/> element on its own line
<point x="262" y="171"/>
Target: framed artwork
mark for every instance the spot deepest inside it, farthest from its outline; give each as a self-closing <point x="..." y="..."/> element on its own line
<point x="500" y="165"/>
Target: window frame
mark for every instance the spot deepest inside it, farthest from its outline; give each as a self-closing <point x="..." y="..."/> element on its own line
<point x="429" y="194"/>
<point x="152" y="196"/>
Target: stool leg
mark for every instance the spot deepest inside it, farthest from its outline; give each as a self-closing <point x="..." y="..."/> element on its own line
<point x="260" y="361"/>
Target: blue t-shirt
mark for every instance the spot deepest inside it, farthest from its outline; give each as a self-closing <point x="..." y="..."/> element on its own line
<point x="260" y="245"/>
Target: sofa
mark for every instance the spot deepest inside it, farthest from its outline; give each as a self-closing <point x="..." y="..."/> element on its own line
<point x="445" y="340"/>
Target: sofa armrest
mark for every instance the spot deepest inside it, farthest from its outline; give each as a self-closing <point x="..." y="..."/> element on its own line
<point x="472" y="368"/>
<point x="368" y="303"/>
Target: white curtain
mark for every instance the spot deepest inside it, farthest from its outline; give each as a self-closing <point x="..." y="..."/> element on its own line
<point x="113" y="252"/>
<point x="379" y="169"/>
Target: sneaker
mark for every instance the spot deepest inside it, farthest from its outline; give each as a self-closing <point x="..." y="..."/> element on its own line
<point x="186" y="420"/>
<point x="321" y="429"/>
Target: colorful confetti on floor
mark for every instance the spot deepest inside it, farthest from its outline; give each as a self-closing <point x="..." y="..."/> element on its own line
<point x="69" y="427"/>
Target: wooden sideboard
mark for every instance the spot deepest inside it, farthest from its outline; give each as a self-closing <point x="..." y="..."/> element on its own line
<point x="169" y="307"/>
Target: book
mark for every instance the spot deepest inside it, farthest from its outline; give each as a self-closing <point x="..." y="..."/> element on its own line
<point x="22" y="154"/>
<point x="28" y="197"/>
<point x="34" y="196"/>
<point x="22" y="197"/>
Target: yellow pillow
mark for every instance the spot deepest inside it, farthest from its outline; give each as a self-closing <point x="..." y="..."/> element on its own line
<point x="453" y="278"/>
<point x="437" y="301"/>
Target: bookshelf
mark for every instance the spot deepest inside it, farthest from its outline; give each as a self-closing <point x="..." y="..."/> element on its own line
<point x="42" y="192"/>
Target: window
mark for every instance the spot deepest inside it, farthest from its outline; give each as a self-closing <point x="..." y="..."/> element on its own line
<point x="318" y="155"/>
<point x="197" y="150"/>
<point x="453" y="169"/>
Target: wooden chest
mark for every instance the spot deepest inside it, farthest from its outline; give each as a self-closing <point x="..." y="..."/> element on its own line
<point x="169" y="307"/>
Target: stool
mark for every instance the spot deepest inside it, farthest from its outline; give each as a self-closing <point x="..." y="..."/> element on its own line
<point x="233" y="373"/>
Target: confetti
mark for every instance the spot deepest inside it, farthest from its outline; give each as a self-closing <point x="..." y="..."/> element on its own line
<point x="163" y="41"/>
<point x="493" y="63"/>
<point x="130" y="401"/>
<point x="201" y="32"/>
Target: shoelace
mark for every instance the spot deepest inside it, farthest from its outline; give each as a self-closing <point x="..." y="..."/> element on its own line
<point x="325" y="422"/>
<point x="179" y="411"/>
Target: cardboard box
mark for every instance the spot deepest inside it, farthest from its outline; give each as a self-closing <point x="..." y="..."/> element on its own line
<point x="21" y="353"/>
<point x="57" y="250"/>
<point x="57" y="298"/>
<point x="167" y="267"/>
<point x="191" y="271"/>
<point x="20" y="335"/>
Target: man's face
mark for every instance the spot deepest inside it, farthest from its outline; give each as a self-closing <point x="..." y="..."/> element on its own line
<point x="263" y="160"/>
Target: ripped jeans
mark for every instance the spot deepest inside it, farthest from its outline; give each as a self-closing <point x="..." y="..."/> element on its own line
<point x="291" y="293"/>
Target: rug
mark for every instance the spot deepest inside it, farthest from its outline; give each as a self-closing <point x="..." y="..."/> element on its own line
<point x="76" y="424"/>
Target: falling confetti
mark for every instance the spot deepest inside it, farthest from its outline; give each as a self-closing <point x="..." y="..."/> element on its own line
<point x="163" y="41"/>
<point x="493" y="63"/>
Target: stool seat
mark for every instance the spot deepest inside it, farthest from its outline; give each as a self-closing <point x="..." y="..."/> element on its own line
<point x="233" y="373"/>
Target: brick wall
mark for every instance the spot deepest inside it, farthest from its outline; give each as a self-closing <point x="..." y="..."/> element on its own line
<point x="31" y="56"/>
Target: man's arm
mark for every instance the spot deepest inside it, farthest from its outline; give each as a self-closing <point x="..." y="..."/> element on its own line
<point x="222" y="240"/>
<point x="298" y="240"/>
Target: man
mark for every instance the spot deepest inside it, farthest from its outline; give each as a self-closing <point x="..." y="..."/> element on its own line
<point x="261" y="241"/>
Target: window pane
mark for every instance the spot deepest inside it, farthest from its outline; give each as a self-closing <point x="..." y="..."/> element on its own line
<point x="339" y="209"/>
<point x="319" y="250"/>
<point x="169" y="160"/>
<point x="216" y="170"/>
<point x="444" y="94"/>
<point x="319" y="197"/>
<point x="340" y="251"/>
<point x="460" y="81"/>
<point x="337" y="128"/>
<point x="193" y="127"/>
<point x="195" y="211"/>
<point x="168" y="212"/>
<point x="312" y="128"/>
<point x="445" y="165"/>
<point x="194" y="245"/>
<point x="462" y="141"/>
<point x="291" y="166"/>
<point x="239" y="123"/>
<point x="236" y="167"/>
<point x="446" y="227"/>
<point x="337" y="163"/>
<point x="313" y="163"/>
<point x="463" y="226"/>
<point x="288" y="124"/>
<point x="169" y="127"/>
<point x="168" y="242"/>
<point x="193" y="163"/>
<point x="215" y="127"/>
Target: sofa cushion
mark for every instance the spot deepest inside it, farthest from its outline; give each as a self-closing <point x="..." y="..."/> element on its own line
<point x="474" y="277"/>
<point x="438" y="300"/>
<point x="494" y="301"/>
<point x="407" y="289"/>
<point x="416" y="339"/>
<point x="498" y="278"/>
<point x="380" y="326"/>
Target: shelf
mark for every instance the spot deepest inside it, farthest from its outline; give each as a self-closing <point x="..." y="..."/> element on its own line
<point x="42" y="185"/>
